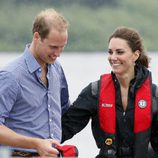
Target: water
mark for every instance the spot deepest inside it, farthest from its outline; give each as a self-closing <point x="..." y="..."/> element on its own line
<point x="5" y="153"/>
<point x="80" y="70"/>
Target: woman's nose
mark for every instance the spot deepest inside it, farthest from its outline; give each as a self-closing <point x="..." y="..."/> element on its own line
<point x="113" y="56"/>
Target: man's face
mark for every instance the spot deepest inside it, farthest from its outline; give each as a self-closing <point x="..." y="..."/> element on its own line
<point x="49" y="48"/>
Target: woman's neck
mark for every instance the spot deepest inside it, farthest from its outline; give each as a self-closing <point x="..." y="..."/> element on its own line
<point x="125" y="79"/>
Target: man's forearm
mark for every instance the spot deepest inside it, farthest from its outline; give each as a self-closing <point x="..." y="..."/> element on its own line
<point x="11" y="138"/>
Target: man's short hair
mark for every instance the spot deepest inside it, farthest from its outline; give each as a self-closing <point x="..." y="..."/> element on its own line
<point x="47" y="20"/>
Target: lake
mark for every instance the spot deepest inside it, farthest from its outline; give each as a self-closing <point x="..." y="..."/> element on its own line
<point x="80" y="70"/>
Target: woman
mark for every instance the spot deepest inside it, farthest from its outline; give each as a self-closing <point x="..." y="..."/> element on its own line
<point x="123" y="105"/>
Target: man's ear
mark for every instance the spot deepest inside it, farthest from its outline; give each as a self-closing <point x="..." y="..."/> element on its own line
<point x="36" y="36"/>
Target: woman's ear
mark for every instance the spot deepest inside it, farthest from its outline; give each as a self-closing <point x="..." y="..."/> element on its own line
<point x="136" y="55"/>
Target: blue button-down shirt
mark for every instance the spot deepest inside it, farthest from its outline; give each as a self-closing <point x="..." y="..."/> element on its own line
<point x="27" y="106"/>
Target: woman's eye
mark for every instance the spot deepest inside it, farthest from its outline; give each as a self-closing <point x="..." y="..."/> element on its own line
<point x="120" y="52"/>
<point x="109" y="52"/>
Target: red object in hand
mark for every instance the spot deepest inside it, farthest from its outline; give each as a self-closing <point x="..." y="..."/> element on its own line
<point x="67" y="151"/>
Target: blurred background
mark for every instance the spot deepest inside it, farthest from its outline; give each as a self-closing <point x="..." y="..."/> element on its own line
<point x="91" y="21"/>
<point x="84" y="58"/>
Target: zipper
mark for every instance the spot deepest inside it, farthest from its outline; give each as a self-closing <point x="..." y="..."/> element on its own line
<point x="124" y="113"/>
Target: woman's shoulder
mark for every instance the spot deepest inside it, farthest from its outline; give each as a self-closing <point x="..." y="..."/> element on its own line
<point x="91" y="89"/>
<point x="155" y="90"/>
<point x="95" y="88"/>
<point x="155" y="98"/>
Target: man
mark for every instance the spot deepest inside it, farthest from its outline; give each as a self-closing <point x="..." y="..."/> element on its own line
<point x="34" y="92"/>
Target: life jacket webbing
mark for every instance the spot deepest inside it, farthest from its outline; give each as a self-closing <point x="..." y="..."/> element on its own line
<point x="107" y="111"/>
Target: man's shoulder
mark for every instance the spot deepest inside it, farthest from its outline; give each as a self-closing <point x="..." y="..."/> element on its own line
<point x="14" y="68"/>
<point x="14" y="64"/>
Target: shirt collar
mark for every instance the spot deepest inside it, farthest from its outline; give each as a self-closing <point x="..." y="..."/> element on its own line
<point x="31" y="62"/>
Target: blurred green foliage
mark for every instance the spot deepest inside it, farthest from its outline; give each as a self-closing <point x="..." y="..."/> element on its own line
<point x="91" y="23"/>
<point x="88" y="3"/>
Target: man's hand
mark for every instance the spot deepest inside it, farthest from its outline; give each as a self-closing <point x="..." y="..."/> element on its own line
<point x="45" y="148"/>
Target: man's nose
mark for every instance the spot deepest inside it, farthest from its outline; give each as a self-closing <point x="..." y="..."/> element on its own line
<point x="58" y="51"/>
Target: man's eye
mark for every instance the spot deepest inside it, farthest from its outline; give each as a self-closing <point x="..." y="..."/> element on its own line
<point x="53" y="47"/>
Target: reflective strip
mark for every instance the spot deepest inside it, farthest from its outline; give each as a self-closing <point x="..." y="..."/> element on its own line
<point x="94" y="88"/>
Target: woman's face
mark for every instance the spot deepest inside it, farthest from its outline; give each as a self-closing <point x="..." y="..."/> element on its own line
<point x="121" y="57"/>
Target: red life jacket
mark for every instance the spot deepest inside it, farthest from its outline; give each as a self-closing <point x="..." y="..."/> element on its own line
<point x="107" y="111"/>
<point x="70" y="151"/>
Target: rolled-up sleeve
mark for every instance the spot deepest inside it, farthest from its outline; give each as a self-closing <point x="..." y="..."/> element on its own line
<point x="8" y="94"/>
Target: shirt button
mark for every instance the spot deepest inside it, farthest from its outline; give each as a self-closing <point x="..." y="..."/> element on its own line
<point x="48" y="106"/>
<point x="39" y="70"/>
<point x="52" y="136"/>
<point x="50" y="120"/>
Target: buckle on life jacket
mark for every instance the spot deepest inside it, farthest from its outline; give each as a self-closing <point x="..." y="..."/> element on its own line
<point x="108" y="141"/>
